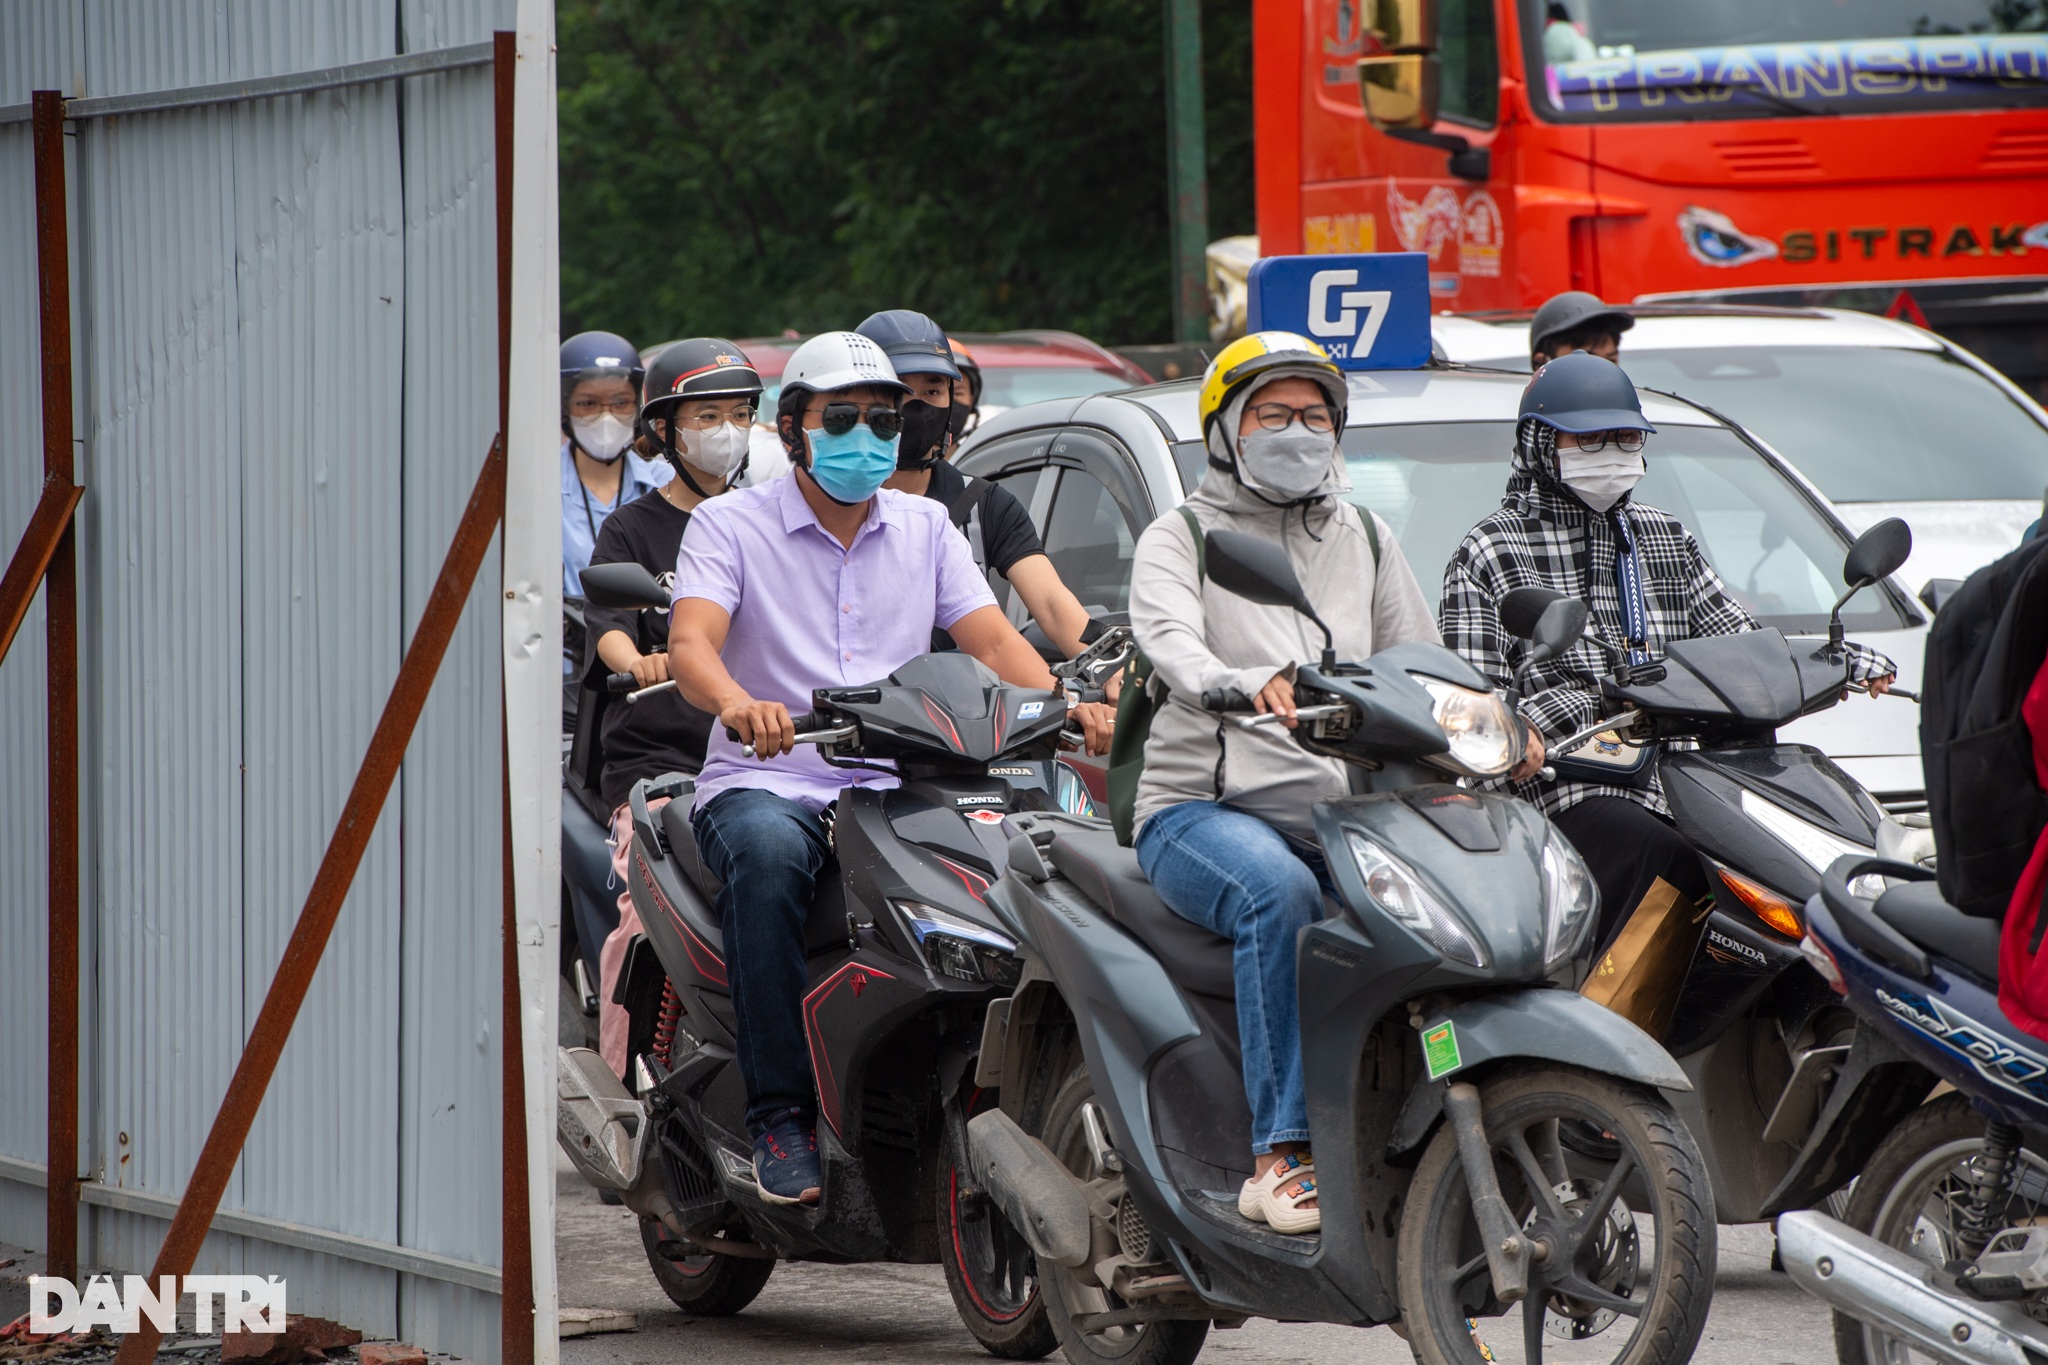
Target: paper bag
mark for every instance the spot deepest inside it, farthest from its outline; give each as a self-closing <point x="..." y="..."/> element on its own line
<point x="1640" y="974"/>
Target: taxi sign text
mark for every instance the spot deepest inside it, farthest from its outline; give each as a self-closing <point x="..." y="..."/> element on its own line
<point x="1370" y="312"/>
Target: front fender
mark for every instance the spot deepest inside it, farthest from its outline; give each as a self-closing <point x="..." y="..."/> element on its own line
<point x="1555" y="1025"/>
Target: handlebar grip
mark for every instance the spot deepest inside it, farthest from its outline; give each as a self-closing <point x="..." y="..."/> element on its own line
<point x="619" y="682"/>
<point x="803" y="724"/>
<point x="1225" y="699"/>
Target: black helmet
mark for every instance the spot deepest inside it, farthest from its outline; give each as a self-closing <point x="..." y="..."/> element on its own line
<point x="913" y="342"/>
<point x="701" y="367"/>
<point x="598" y="355"/>
<point x="1581" y="392"/>
<point x="1571" y="311"/>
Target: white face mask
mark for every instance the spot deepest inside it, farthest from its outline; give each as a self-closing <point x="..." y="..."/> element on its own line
<point x="1291" y="463"/>
<point x="1601" y="477"/>
<point x="717" y="451"/>
<point x="603" y="438"/>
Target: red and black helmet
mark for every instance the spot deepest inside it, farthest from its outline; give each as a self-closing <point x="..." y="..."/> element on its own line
<point x="700" y="367"/>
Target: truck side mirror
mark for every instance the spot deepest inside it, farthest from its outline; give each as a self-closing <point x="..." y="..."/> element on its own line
<point x="1401" y="92"/>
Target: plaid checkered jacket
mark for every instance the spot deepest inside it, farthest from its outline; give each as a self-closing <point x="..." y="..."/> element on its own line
<point x="1543" y="536"/>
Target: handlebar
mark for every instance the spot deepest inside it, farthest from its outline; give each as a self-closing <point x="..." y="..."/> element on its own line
<point x="810" y="727"/>
<point x="1225" y="699"/>
<point x="618" y="682"/>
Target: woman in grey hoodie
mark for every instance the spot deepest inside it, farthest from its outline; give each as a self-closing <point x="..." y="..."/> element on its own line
<point x="1222" y="813"/>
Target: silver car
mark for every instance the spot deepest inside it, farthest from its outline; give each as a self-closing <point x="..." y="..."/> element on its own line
<point x="1429" y="450"/>
<point x="1889" y="420"/>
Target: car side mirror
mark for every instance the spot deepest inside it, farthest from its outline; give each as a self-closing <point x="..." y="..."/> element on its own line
<point x="1935" y="592"/>
<point x="1259" y="571"/>
<point x="623" y="587"/>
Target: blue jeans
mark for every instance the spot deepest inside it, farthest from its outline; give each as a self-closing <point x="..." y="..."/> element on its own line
<point x="1234" y="874"/>
<point x="767" y="851"/>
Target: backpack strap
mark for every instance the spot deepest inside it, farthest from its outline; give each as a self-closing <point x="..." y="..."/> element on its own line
<point x="966" y="516"/>
<point x="1202" y="545"/>
<point x="1372" y="531"/>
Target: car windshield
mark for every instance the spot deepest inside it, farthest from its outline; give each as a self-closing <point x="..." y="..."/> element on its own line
<point x="1773" y="549"/>
<point x="1735" y="58"/>
<point x="1014" y="386"/>
<point x="1867" y="424"/>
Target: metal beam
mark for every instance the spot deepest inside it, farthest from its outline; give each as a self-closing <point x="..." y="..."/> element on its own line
<point x="1187" y="170"/>
<point x="268" y="87"/>
<point x="331" y="883"/>
<point x="39" y="543"/>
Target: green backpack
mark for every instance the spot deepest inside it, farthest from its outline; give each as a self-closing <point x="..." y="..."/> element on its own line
<point x="1138" y="703"/>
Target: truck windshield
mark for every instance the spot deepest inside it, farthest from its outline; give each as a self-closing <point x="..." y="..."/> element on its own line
<point x="1641" y="59"/>
<point x="1775" y="551"/>
<point x="1865" y="423"/>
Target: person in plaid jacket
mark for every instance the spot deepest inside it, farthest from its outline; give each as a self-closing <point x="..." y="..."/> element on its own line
<point x="1568" y="523"/>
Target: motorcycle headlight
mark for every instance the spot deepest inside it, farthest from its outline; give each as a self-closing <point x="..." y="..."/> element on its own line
<point x="960" y="948"/>
<point x="1816" y="847"/>
<point x="1477" y="724"/>
<point x="1569" y="900"/>
<point x="1401" y="894"/>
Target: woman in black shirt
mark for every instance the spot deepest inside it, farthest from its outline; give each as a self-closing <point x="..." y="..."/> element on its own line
<point x="701" y="396"/>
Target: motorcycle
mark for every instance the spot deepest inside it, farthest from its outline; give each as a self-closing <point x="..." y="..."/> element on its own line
<point x="1442" y="1048"/>
<point x="1784" y="1109"/>
<point x="904" y="959"/>
<point x="589" y="905"/>
<point x="1943" y="1247"/>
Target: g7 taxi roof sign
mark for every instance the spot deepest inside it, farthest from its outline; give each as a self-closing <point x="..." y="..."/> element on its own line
<point x="1370" y="312"/>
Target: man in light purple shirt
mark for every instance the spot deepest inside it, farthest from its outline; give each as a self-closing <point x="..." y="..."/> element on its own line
<point x="820" y="579"/>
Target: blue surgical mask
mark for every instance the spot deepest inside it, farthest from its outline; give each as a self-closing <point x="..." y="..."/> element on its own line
<point x="852" y="467"/>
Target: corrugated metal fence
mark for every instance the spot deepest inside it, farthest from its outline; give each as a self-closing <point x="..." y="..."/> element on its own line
<point x="285" y="317"/>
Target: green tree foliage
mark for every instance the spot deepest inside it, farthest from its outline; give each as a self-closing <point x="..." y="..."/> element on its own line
<point x="734" y="167"/>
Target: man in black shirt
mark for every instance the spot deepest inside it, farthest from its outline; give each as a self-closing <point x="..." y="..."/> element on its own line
<point x="997" y="527"/>
<point x="701" y="396"/>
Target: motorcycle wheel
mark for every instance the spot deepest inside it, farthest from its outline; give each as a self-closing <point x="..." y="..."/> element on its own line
<point x="1908" y="1197"/>
<point x="703" y="1283"/>
<point x="989" y="1268"/>
<point x="1610" y="1263"/>
<point x="1066" y="1294"/>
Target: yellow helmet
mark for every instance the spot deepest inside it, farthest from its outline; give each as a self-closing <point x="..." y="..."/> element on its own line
<point x="1262" y="354"/>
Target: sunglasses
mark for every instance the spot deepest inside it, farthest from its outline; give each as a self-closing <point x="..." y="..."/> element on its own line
<point x="885" y="421"/>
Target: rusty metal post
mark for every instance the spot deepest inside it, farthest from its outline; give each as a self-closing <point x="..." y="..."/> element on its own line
<point x="331" y="883"/>
<point x="515" y="1305"/>
<point x="60" y="608"/>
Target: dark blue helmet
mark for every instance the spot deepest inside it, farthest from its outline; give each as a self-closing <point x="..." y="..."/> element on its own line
<point x="913" y="342"/>
<point x="1581" y="392"/>
<point x="598" y="355"/>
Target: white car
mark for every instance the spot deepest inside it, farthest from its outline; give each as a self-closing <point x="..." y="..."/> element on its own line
<point x="1887" y="419"/>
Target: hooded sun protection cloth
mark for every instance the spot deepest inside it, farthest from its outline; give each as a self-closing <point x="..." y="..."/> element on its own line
<point x="1238" y="373"/>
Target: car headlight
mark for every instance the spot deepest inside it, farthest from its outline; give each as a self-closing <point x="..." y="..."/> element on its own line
<point x="1477" y="724"/>
<point x="1569" y="899"/>
<point x="1816" y="847"/>
<point x="1401" y="894"/>
<point x="960" y="948"/>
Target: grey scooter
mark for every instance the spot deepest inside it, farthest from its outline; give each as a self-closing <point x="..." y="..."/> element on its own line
<point x="1441" y="1046"/>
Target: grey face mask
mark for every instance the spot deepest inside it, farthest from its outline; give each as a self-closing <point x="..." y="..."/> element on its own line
<point x="1288" y="464"/>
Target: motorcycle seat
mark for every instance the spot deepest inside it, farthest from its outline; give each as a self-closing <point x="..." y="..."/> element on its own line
<point x="1107" y="873"/>
<point x="1917" y="910"/>
<point x="682" y="849"/>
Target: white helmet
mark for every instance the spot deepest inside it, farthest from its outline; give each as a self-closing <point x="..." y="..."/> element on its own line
<point x="839" y="360"/>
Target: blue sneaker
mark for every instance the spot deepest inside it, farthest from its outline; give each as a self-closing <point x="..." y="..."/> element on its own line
<point x="786" y="1161"/>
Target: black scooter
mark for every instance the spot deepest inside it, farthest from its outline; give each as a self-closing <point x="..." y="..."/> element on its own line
<point x="1441" y="1043"/>
<point x="1782" y="1104"/>
<point x="905" y="957"/>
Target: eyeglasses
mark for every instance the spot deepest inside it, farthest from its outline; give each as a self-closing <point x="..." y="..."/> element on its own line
<point x="882" y="419"/>
<point x="1317" y="417"/>
<point x="739" y="417"/>
<point x="625" y="408"/>
<point x="1627" y="442"/>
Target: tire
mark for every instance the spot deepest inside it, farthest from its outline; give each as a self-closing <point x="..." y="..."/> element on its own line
<point x="1066" y="1294"/>
<point x="1889" y="1202"/>
<point x="1665" y="1269"/>
<point x="703" y="1284"/>
<point x="989" y="1269"/>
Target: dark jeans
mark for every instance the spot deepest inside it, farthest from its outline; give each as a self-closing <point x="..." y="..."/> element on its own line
<point x="1627" y="848"/>
<point x="767" y="851"/>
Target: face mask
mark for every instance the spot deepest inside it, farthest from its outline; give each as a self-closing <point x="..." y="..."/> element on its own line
<point x="852" y="467"/>
<point x="716" y="452"/>
<point x="1292" y="463"/>
<point x="924" y="431"/>
<point x="1600" y="478"/>
<point x="603" y="438"/>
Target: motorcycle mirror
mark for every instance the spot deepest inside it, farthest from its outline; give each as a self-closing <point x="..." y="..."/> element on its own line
<point x="1877" y="553"/>
<point x="623" y="587"/>
<point x="1560" y="626"/>
<point x="1521" y="609"/>
<point x="1259" y="571"/>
